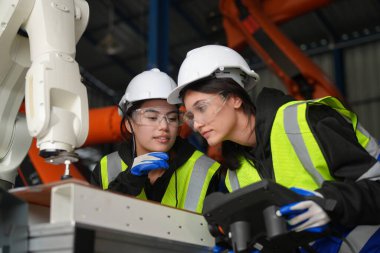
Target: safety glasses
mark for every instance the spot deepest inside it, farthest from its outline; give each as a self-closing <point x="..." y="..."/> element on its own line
<point x="154" y="116"/>
<point x="205" y="111"/>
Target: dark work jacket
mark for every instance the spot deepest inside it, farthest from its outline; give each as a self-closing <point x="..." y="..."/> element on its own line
<point x="357" y="202"/>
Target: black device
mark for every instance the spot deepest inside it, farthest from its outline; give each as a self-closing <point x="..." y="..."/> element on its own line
<point x="247" y="216"/>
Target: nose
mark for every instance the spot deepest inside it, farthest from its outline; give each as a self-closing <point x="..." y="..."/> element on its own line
<point x="163" y="122"/>
<point x="197" y="125"/>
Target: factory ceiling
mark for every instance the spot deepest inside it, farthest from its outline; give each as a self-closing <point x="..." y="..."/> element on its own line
<point x="116" y="45"/>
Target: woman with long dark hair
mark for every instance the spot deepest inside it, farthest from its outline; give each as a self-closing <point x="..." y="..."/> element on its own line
<point x="316" y="146"/>
<point x="153" y="162"/>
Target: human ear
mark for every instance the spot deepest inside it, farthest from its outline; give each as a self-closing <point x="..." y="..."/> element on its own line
<point x="128" y="126"/>
<point x="236" y="101"/>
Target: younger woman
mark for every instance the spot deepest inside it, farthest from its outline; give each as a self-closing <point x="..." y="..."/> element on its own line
<point x="153" y="163"/>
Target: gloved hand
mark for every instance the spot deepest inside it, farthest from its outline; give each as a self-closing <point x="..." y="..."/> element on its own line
<point x="305" y="215"/>
<point x="151" y="161"/>
<point x="218" y="249"/>
<point x="221" y="249"/>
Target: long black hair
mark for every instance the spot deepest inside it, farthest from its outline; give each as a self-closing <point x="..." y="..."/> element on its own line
<point x="231" y="151"/>
<point x="126" y="118"/>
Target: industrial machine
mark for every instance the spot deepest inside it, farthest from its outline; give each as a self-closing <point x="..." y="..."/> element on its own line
<point x="37" y="60"/>
<point x="73" y="216"/>
<point x="246" y="219"/>
<point x="68" y="216"/>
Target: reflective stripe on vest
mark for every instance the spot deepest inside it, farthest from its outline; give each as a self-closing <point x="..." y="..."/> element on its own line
<point x="294" y="149"/>
<point x="291" y="117"/>
<point x="193" y="179"/>
<point x="298" y="143"/>
<point x="233" y="180"/>
<point x="365" y="139"/>
<point x="373" y="148"/>
<point x="300" y="153"/>
<point x="245" y="175"/>
<point x="110" y="166"/>
<point x="197" y="180"/>
<point x="305" y="147"/>
<point x="358" y="238"/>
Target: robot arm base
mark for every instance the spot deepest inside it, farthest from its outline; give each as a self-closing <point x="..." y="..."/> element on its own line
<point x="18" y="149"/>
<point x="57" y="156"/>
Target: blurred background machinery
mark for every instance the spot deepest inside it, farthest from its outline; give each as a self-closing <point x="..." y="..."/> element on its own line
<point x="305" y="48"/>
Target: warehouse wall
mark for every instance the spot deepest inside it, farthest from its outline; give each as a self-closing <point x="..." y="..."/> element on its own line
<point x="362" y="81"/>
<point x="363" y="84"/>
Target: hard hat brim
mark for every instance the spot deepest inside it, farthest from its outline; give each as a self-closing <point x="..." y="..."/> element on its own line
<point x="173" y="97"/>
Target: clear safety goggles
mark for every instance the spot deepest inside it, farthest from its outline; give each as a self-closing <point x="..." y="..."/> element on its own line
<point x="204" y="111"/>
<point x="153" y="116"/>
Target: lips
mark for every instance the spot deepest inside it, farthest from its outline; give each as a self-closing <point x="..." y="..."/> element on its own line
<point x="162" y="139"/>
<point x="206" y="134"/>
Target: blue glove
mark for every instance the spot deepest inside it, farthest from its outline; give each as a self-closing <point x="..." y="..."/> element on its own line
<point x="221" y="249"/>
<point x="305" y="215"/>
<point x="218" y="249"/>
<point x="151" y="161"/>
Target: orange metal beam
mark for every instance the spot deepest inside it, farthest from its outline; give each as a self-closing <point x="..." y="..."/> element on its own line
<point x="278" y="11"/>
<point x="258" y="21"/>
<point x="104" y="126"/>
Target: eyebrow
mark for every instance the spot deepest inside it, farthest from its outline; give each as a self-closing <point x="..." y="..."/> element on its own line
<point x="154" y="110"/>
<point x="200" y="101"/>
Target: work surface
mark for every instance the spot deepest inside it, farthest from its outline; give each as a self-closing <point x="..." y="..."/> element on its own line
<point x="73" y="210"/>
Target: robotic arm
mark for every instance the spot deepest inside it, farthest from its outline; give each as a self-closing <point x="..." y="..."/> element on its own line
<point x="55" y="99"/>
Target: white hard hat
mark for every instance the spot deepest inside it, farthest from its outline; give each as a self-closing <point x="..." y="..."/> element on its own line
<point x="217" y="61"/>
<point x="151" y="84"/>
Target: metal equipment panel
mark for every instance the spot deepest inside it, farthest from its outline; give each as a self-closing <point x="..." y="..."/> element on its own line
<point x="68" y="237"/>
<point x="86" y="219"/>
<point x="73" y="203"/>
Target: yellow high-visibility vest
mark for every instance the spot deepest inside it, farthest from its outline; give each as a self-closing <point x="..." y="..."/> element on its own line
<point x="297" y="158"/>
<point x="188" y="184"/>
